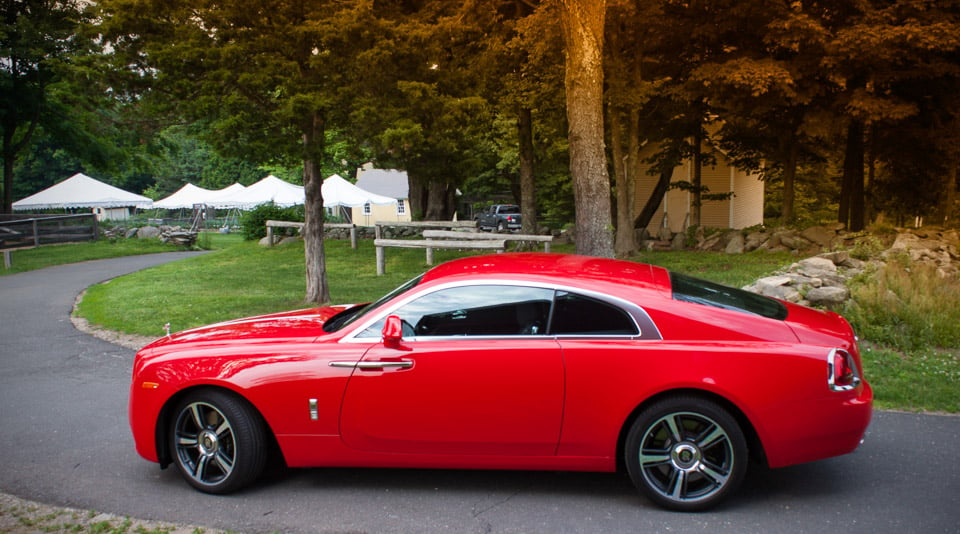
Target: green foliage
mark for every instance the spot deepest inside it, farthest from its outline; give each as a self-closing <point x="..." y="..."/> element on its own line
<point x="906" y="306"/>
<point x="254" y="222"/>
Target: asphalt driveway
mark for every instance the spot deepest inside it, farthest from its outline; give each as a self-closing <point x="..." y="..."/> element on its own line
<point x="64" y="440"/>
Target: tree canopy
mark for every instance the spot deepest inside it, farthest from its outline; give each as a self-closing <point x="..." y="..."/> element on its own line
<point x="546" y="103"/>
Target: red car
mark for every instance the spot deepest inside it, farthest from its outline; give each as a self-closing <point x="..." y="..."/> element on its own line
<point x="513" y="361"/>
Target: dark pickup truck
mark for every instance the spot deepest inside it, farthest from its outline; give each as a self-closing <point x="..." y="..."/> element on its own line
<point x="499" y="217"/>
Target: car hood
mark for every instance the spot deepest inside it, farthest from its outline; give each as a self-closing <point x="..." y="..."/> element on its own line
<point x="298" y="324"/>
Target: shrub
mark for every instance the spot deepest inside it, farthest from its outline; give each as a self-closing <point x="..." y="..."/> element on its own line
<point x="254" y="222"/>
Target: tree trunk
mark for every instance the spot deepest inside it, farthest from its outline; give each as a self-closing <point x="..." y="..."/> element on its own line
<point x="417" y="192"/>
<point x="8" y="160"/>
<point x="436" y="202"/>
<point x="317" y="289"/>
<point x="789" y="178"/>
<point x="583" y="25"/>
<point x="852" y="190"/>
<point x="656" y="198"/>
<point x="697" y="180"/>
<point x="528" y="190"/>
<point x="624" y="242"/>
<point x="949" y="198"/>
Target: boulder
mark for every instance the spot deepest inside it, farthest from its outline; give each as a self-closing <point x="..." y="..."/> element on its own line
<point x="819" y="235"/>
<point x="828" y="296"/>
<point x="736" y="245"/>
<point x="148" y="232"/>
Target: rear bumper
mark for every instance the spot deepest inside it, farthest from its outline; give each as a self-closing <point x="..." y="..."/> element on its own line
<point x="821" y="429"/>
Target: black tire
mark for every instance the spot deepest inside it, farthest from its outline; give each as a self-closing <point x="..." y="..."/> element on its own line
<point x="218" y="441"/>
<point x="686" y="453"/>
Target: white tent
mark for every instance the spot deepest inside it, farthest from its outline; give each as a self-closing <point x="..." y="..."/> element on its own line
<point x="189" y="195"/>
<point x="81" y="191"/>
<point x="269" y="189"/>
<point x="338" y="192"/>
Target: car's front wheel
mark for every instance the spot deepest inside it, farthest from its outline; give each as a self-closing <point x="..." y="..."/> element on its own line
<point x="218" y="441"/>
<point x="686" y="453"/>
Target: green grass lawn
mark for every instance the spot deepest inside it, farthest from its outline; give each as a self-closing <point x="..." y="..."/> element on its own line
<point x="240" y="278"/>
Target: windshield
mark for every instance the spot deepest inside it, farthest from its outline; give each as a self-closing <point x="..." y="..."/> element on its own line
<point x="690" y="289"/>
<point x="349" y="316"/>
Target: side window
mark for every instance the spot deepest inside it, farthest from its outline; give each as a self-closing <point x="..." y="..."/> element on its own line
<point x="483" y="310"/>
<point x="579" y="315"/>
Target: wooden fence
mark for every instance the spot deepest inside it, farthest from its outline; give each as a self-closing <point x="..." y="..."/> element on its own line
<point x="17" y="232"/>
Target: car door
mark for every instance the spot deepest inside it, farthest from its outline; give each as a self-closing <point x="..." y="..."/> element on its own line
<point x="474" y="375"/>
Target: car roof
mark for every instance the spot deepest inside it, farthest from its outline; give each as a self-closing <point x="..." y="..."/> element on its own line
<point x="570" y="268"/>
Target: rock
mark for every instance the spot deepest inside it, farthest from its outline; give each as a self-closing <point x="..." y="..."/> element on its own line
<point x="291" y="239"/>
<point x="786" y="293"/>
<point x="819" y="235"/>
<point x="828" y="296"/>
<point x="129" y="234"/>
<point x="679" y="242"/>
<point x="711" y="242"/>
<point x="148" y="232"/>
<point x="736" y="244"/>
<point x="794" y="242"/>
<point x="755" y="240"/>
<point x="817" y="264"/>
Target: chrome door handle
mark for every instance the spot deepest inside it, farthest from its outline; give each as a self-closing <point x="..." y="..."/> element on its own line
<point x="406" y="364"/>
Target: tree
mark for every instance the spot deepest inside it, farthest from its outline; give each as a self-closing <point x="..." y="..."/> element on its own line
<point x="262" y="77"/>
<point x="583" y="34"/>
<point x="37" y="39"/>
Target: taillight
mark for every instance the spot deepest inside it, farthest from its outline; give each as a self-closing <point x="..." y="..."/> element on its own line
<point x="841" y="371"/>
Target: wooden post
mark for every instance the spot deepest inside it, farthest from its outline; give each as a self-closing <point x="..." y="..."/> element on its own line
<point x="96" y="232"/>
<point x="381" y="262"/>
<point x="7" y="260"/>
<point x="269" y="235"/>
<point x="36" y="234"/>
<point x="429" y="255"/>
<point x="353" y="236"/>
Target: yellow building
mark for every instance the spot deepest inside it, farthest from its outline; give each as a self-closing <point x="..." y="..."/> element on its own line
<point x="389" y="183"/>
<point x="743" y="209"/>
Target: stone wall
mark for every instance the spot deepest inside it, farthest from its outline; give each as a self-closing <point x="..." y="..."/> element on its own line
<point x="821" y="280"/>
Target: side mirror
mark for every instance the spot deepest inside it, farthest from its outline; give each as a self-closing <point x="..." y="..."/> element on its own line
<point x="393" y="332"/>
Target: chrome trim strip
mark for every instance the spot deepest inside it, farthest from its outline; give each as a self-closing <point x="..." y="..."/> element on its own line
<point x="406" y="364"/>
<point x="640" y="316"/>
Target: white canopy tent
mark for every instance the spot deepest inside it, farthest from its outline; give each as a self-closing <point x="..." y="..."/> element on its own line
<point x="190" y="195"/>
<point x="81" y="191"/>
<point x="339" y="192"/>
<point x="269" y="189"/>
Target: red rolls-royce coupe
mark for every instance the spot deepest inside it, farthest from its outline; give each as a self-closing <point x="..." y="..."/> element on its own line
<point x="512" y="361"/>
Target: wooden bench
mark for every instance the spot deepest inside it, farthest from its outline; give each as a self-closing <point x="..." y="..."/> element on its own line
<point x="448" y="234"/>
<point x="429" y="244"/>
<point x="451" y="239"/>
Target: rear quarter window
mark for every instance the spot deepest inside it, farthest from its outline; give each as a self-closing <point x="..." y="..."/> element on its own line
<point x="690" y="289"/>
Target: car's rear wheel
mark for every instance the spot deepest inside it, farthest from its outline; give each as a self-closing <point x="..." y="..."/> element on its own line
<point x="218" y="441"/>
<point x="686" y="453"/>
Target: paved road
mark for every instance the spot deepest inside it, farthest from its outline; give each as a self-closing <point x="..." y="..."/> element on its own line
<point x="64" y="440"/>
